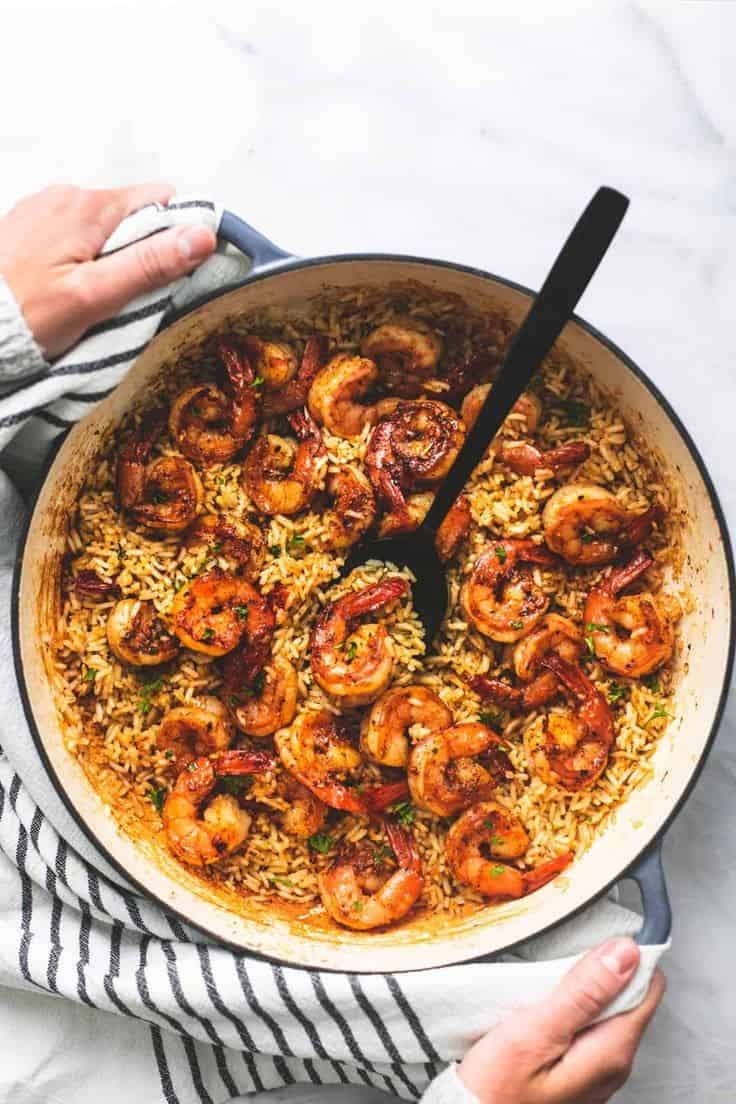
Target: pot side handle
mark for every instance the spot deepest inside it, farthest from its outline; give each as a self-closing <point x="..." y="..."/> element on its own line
<point x="262" y="252"/>
<point x="648" y="874"/>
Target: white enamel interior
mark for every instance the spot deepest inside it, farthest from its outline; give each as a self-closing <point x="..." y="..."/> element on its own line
<point x="424" y="943"/>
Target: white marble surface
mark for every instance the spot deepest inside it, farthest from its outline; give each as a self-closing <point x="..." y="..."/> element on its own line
<point x="471" y="131"/>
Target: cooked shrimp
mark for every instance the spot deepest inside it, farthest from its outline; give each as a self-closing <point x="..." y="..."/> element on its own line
<point x="237" y="540"/>
<point x="293" y="394"/>
<point x="216" y="610"/>
<point x="353" y="510"/>
<point x="451" y="533"/>
<point x="527" y="459"/>
<point x="191" y="731"/>
<point x="274" y="362"/>
<point x="554" y="633"/>
<point x="585" y="524"/>
<point x="210" y="426"/>
<point x="279" y="477"/>
<point x="525" y="413"/>
<point x="355" y="666"/>
<point x="306" y="813"/>
<point x="360" y="892"/>
<point x="223" y="826"/>
<point x="260" y="710"/>
<point x="632" y="634"/>
<point x="316" y="751"/>
<point x="165" y="493"/>
<point x="481" y="844"/>
<point x="384" y="732"/>
<point x="137" y="635"/>
<point x="337" y="390"/>
<point x="571" y="749"/>
<point x="444" y="774"/>
<point x="499" y="597"/>
<point x="413" y="446"/>
<point x="242" y="667"/>
<point x="407" y="353"/>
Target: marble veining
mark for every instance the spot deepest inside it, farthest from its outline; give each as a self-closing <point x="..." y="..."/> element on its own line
<point x="470" y="131"/>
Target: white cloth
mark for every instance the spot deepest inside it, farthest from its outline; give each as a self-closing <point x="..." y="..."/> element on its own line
<point x="220" y="1023"/>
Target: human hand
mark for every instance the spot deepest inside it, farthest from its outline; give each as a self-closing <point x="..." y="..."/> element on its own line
<point x="550" y="1054"/>
<point x="49" y="243"/>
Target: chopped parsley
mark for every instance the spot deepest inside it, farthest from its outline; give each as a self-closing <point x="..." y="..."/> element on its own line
<point x="216" y="547"/>
<point x="652" y="683"/>
<point x="576" y="413"/>
<point x="157" y="796"/>
<point x="258" y="382"/>
<point x="321" y="842"/>
<point x="274" y="549"/>
<point x="617" y="691"/>
<point x="158" y="498"/>
<point x="147" y="691"/>
<point x="234" y="700"/>
<point x="659" y="711"/>
<point x="490" y="718"/>
<point x="208" y="634"/>
<point x="235" y="784"/>
<point x="357" y="906"/>
<point x="586" y="538"/>
<point x="178" y="584"/>
<point x="517" y="624"/>
<point x="242" y="612"/>
<point x="89" y="674"/>
<point x="283" y="881"/>
<point x="169" y="753"/>
<point x="351" y="651"/>
<point x="500" y="553"/>
<point x="381" y="854"/>
<point x="592" y="627"/>
<point x="405" y="812"/>
<point x="497" y="871"/>
<point x="295" y="543"/>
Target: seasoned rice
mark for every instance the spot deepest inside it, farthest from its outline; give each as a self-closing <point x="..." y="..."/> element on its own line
<point x="111" y="713"/>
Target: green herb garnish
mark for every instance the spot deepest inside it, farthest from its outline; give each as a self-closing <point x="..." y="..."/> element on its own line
<point x="208" y="634"/>
<point x="274" y="549"/>
<point x="147" y="689"/>
<point x="321" y="842"/>
<point x="258" y="382"/>
<point x="405" y="812"/>
<point x="659" y="711"/>
<point x="586" y="538"/>
<point x="295" y="543"/>
<point x="242" y="612"/>
<point x="216" y="547"/>
<point x="590" y="628"/>
<point x="158" y="498"/>
<point x="517" y="624"/>
<point x="652" y="683"/>
<point x="283" y="881"/>
<point x="89" y="674"/>
<point x="576" y="413"/>
<point x="617" y="691"/>
<point x="497" y="871"/>
<point x="490" y="718"/>
<point x="235" y="784"/>
<point x="357" y="906"/>
<point x="500" y="553"/>
<point x="351" y="651"/>
<point x="157" y="796"/>
<point x="381" y="854"/>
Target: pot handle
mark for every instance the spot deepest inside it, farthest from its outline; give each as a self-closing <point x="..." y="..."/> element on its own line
<point x="648" y="874"/>
<point x="262" y="252"/>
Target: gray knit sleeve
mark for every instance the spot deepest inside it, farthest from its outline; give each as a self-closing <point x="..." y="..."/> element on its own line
<point x="20" y="356"/>
<point x="448" y="1089"/>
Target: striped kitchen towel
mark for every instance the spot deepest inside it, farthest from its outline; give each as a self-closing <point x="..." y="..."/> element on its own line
<point x="221" y="1023"/>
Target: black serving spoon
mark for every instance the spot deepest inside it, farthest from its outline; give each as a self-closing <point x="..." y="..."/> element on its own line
<point x="568" y="278"/>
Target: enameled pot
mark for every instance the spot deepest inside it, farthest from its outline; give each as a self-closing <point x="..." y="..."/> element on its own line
<point x="628" y="848"/>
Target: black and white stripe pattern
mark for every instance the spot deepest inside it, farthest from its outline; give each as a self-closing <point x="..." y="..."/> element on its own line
<point x="221" y="1024"/>
<point x="61" y="394"/>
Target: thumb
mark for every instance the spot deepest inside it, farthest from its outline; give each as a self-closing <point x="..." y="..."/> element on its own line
<point x="145" y="265"/>
<point x="587" y="990"/>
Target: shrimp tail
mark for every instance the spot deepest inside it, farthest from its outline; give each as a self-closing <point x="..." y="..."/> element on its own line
<point x="570" y="676"/>
<point x="237" y="367"/>
<point x="304" y="425"/>
<point x="294" y="393"/>
<point x="372" y="597"/>
<point x="243" y="761"/>
<point x="537" y="553"/>
<point x="454" y="529"/>
<point x="639" y="527"/>
<point x="498" y="691"/>
<point x="540" y="875"/>
<point x="380" y="797"/>
<point x="403" y="845"/>
<point x="526" y="459"/>
<point x="624" y="576"/>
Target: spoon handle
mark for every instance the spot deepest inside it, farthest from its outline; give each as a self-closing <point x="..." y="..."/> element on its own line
<point x="567" y="280"/>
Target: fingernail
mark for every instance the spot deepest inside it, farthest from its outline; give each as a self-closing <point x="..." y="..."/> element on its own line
<point x="195" y="242"/>
<point x="620" y="956"/>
